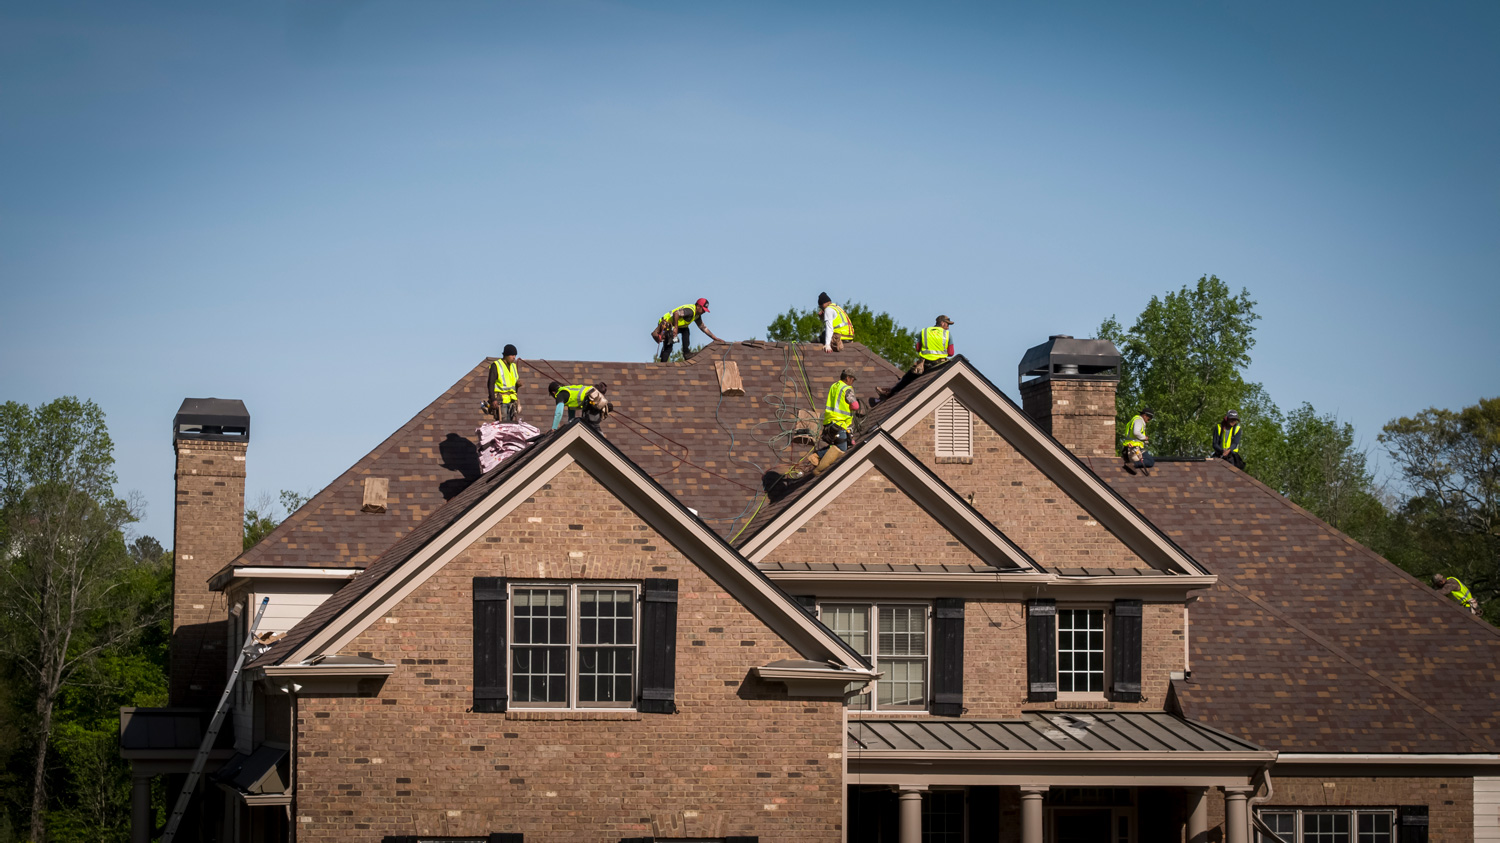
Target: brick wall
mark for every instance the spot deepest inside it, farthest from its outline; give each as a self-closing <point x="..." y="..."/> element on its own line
<point x="207" y="534"/>
<point x="738" y="757"/>
<point x="1078" y="413"/>
<point x="1449" y="801"/>
<point x="1019" y="499"/>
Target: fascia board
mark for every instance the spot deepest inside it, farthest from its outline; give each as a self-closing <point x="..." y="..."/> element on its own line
<point x="913" y="479"/>
<point x="298" y="671"/>
<point x="1477" y="759"/>
<point x="229" y="575"/>
<point x="1060" y="466"/>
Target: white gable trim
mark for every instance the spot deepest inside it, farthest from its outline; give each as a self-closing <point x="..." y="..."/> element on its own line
<point x="663" y="513"/>
<point x="961" y="381"/>
<point x="914" y="480"/>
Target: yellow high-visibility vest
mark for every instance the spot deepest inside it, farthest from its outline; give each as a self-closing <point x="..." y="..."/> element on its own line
<point x="837" y="410"/>
<point x="673" y="315"/>
<point x="1130" y="440"/>
<point x="842" y="327"/>
<point x="934" y="343"/>
<point x="1225" y="436"/>
<point x="574" y="395"/>
<point x="1461" y="594"/>
<point x="505" y="381"/>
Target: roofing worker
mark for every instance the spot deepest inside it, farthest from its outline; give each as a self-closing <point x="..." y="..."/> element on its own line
<point x="1457" y="590"/>
<point x="504" y="380"/>
<point x="839" y="410"/>
<point x="1133" y="448"/>
<point x="934" y="349"/>
<point x="589" y="399"/>
<point x="679" y="321"/>
<point x="837" y="328"/>
<point x="1227" y="440"/>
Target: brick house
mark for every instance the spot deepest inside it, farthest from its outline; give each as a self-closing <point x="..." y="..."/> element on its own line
<point x="973" y="627"/>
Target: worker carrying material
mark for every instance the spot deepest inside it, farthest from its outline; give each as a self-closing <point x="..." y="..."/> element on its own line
<point x="1227" y="440"/>
<point x="1133" y="447"/>
<point x="837" y="327"/>
<point x="934" y="349"/>
<point x="504" y="379"/>
<point x="577" y="398"/>
<point x="838" y="413"/>
<point x="678" y="322"/>
<point x="1457" y="590"/>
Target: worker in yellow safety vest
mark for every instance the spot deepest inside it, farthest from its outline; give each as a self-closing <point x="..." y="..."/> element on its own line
<point x="504" y="380"/>
<point x="838" y="412"/>
<point x="1227" y="440"/>
<point x="578" y="398"/>
<point x="678" y="322"/>
<point x="837" y="327"/>
<point x="1133" y="446"/>
<point x="1452" y="587"/>
<point x="934" y="349"/>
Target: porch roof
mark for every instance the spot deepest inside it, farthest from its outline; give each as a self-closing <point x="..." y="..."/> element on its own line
<point x="1086" y="735"/>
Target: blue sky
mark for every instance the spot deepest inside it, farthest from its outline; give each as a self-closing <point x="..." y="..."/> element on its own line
<point x="333" y="209"/>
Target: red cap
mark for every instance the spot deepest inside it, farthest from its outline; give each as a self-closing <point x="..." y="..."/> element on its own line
<point x="703" y="303"/>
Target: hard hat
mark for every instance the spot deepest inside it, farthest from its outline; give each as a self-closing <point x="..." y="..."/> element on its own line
<point x="703" y="303"/>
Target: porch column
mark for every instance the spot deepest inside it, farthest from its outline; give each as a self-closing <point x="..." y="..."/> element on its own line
<point x="140" y="809"/>
<point x="1197" y="814"/>
<point x="1237" y="814"/>
<point x="910" y="825"/>
<point x="1031" y="812"/>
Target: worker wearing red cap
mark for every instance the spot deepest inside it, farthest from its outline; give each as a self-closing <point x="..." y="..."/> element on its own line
<point x="677" y="322"/>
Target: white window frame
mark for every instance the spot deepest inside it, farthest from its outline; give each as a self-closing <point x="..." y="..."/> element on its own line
<point x="955" y="423"/>
<point x="1299" y="828"/>
<point x="1105" y="659"/>
<point x="572" y="703"/>
<point x="871" y="697"/>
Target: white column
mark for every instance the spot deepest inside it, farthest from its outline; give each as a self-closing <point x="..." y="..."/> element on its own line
<point x="1031" y="812"/>
<point x="140" y="809"/>
<point x="1197" y="821"/>
<point x="1237" y="814"/>
<point x="910" y="800"/>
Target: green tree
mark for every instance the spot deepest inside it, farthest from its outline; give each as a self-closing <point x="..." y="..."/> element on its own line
<point x="1323" y="470"/>
<point x="66" y="598"/>
<point x="1184" y="357"/>
<point x="261" y="518"/>
<point x="879" y="332"/>
<point x="1451" y="462"/>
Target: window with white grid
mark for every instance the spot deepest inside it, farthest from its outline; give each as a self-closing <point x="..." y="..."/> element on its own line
<point x="955" y="430"/>
<point x="573" y="646"/>
<point x="1323" y="825"/>
<point x="899" y="642"/>
<point x="1080" y="651"/>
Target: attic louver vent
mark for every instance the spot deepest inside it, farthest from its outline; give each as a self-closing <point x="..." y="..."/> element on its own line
<point x="955" y="431"/>
<point x="376" y="491"/>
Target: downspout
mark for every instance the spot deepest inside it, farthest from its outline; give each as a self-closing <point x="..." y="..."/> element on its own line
<point x="1255" y="821"/>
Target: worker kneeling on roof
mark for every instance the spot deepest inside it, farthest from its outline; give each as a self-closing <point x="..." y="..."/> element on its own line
<point x="838" y="413"/>
<point x="934" y="349"/>
<point x="1227" y="440"/>
<point x="1452" y="587"/>
<point x="838" y="328"/>
<point x="678" y="322"/>
<point x="589" y="400"/>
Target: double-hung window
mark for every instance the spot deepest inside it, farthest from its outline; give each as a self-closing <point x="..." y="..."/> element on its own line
<point x="1325" y="825"/>
<point x="893" y="637"/>
<point x="573" y="646"/>
<point x="1080" y="651"/>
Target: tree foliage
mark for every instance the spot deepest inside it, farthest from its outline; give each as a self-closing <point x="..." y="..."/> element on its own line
<point x="879" y="332"/>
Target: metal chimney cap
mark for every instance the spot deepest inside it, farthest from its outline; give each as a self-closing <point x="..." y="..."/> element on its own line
<point x="220" y="419"/>
<point x="1093" y="359"/>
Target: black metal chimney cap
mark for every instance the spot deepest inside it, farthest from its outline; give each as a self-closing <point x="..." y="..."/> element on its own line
<point x="1087" y="359"/>
<point x="221" y="419"/>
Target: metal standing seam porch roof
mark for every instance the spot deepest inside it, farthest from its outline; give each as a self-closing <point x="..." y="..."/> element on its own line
<point x="1051" y="733"/>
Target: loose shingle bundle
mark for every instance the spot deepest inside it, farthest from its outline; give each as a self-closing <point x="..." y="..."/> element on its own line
<point x="497" y="441"/>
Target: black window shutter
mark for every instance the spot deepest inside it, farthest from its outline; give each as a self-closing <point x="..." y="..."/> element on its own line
<point x="659" y="647"/>
<point x="1041" y="650"/>
<point x="984" y="813"/>
<point x="1125" y="649"/>
<point x="948" y="657"/>
<point x="808" y="602"/>
<point x="489" y="644"/>
<point x="1411" y="824"/>
<point x="507" y="837"/>
<point x="742" y="840"/>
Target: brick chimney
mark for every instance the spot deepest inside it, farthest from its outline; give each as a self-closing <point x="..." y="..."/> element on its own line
<point x="210" y="436"/>
<point x="1071" y="392"/>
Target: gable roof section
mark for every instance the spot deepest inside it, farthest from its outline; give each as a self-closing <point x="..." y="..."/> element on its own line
<point x="445" y="534"/>
<point x="958" y="379"/>
<point x="1310" y="641"/>
<point x="708" y="450"/>
<point x="771" y="528"/>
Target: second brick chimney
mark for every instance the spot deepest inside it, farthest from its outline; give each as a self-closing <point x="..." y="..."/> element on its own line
<point x="210" y="436"/>
<point x="1071" y="392"/>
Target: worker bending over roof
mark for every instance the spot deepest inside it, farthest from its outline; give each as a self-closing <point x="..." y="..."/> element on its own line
<point x="580" y="397"/>
<point x="837" y="327"/>
<point x="1457" y="590"/>
<point x="934" y="349"/>
<point x="838" y="412"/>
<point x="1133" y="447"/>
<point x="677" y="322"/>
<point x="1227" y="440"/>
<point x="504" y="379"/>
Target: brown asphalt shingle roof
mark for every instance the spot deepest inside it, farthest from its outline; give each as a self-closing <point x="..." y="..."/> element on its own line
<point x="1311" y="642"/>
